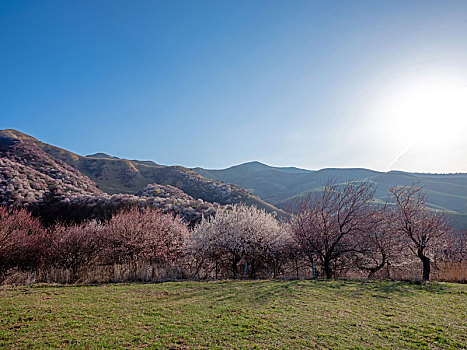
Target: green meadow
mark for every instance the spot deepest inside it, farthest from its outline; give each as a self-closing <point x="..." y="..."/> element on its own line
<point x="236" y="314"/>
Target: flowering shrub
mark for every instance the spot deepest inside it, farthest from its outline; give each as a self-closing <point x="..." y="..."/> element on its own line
<point x="74" y="247"/>
<point x="143" y="234"/>
<point x="21" y="240"/>
<point x="71" y="208"/>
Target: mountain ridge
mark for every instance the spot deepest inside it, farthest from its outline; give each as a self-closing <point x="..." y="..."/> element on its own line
<point x="116" y="175"/>
<point x="446" y="192"/>
<point x="253" y="183"/>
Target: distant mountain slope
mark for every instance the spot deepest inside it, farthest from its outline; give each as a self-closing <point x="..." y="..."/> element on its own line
<point x="54" y="190"/>
<point x="277" y="185"/>
<point x="113" y="175"/>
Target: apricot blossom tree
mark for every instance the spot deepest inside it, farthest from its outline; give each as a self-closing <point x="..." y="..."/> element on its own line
<point x="239" y="234"/>
<point x="143" y="234"/>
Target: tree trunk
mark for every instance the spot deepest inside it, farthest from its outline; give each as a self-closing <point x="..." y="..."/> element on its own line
<point x="374" y="270"/>
<point x="296" y="266"/>
<point x="426" y="264"/>
<point x="327" y="269"/>
<point x="235" y="267"/>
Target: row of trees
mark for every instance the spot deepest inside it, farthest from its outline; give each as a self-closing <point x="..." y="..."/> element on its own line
<point x="341" y="226"/>
<point x="336" y="230"/>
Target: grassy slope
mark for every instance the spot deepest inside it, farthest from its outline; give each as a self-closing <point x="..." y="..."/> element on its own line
<point x="275" y="184"/>
<point x="262" y="314"/>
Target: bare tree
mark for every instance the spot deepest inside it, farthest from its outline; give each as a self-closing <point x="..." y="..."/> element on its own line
<point x="326" y="224"/>
<point x="378" y="245"/>
<point x="421" y="227"/>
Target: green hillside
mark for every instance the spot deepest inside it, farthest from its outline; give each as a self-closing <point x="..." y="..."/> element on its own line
<point x="278" y="185"/>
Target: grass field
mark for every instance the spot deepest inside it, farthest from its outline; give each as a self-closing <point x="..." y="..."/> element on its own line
<point x="237" y="314"/>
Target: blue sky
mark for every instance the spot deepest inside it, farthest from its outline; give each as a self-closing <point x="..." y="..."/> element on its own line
<point x="217" y="83"/>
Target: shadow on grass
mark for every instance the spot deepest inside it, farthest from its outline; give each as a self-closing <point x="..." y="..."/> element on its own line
<point x="262" y="291"/>
<point x="389" y="287"/>
<point x="370" y="288"/>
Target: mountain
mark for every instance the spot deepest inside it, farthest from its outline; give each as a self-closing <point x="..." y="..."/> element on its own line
<point x="53" y="189"/>
<point x="29" y="168"/>
<point x="114" y="175"/>
<point x="278" y="185"/>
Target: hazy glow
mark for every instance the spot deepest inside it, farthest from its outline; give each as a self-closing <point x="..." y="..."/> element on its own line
<point x="424" y="123"/>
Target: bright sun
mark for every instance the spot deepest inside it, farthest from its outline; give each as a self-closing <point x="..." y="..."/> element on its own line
<point x="429" y="112"/>
<point x="424" y="119"/>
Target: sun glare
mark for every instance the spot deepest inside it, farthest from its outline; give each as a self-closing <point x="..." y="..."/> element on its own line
<point x="426" y="114"/>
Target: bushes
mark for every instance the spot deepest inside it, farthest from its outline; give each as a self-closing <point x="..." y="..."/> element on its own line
<point x="74" y="247"/>
<point x="22" y="243"/>
<point x="92" y="251"/>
